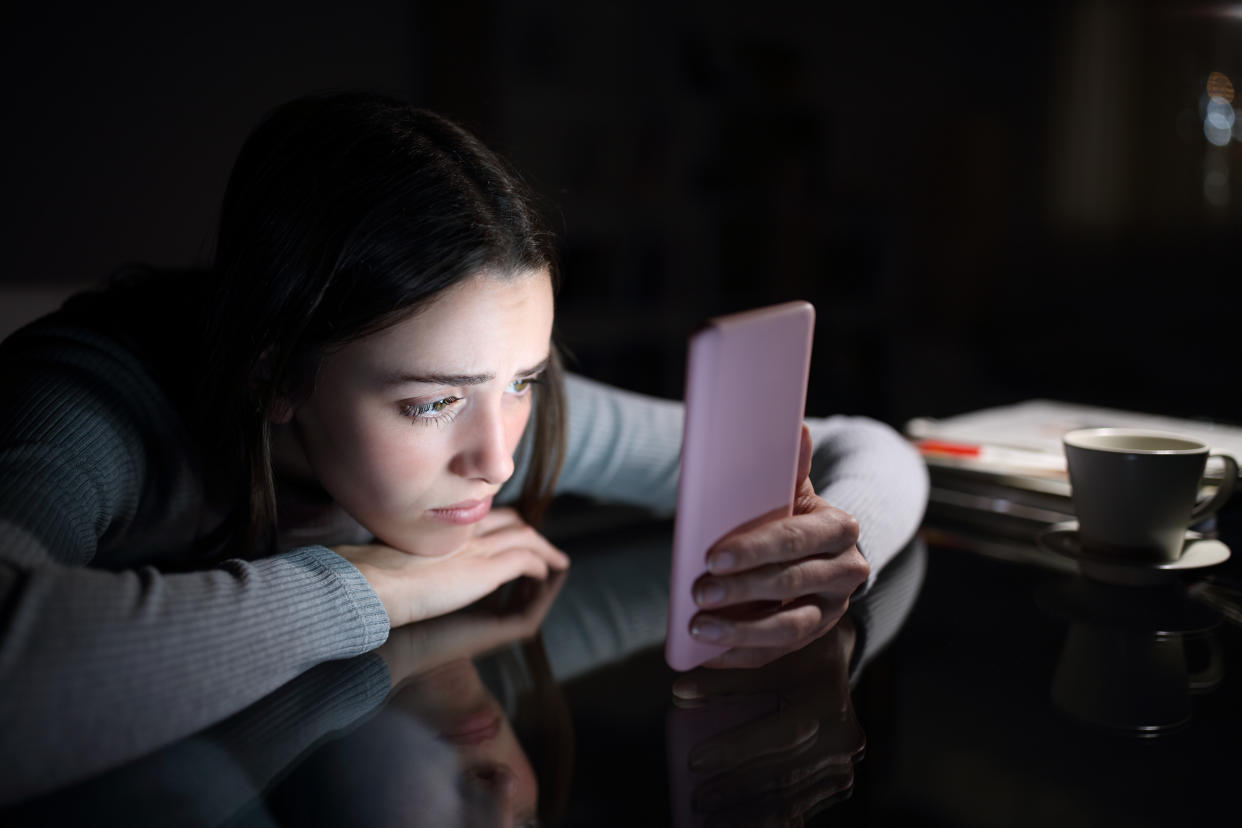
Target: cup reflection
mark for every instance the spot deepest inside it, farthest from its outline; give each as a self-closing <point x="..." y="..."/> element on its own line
<point x="1132" y="656"/>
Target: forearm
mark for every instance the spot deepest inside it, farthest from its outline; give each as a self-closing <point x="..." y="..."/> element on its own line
<point x="621" y="446"/>
<point x="99" y="667"/>
<point x="626" y="447"/>
<point x="208" y="778"/>
<point x="332" y="698"/>
<point x="865" y="468"/>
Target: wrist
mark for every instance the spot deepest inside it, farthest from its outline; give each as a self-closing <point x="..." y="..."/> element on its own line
<point x="377" y="579"/>
<point x="382" y="587"/>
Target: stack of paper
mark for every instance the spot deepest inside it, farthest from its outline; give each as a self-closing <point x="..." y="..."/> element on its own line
<point x="1002" y="469"/>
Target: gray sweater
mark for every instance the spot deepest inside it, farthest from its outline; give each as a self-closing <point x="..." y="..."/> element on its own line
<point x="114" y="624"/>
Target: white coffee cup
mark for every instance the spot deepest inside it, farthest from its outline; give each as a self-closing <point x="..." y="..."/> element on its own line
<point x="1135" y="491"/>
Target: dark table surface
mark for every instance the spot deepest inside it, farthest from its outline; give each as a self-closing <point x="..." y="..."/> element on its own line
<point x="966" y="689"/>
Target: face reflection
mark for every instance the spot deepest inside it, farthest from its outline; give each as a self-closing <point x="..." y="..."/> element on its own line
<point x="454" y="702"/>
<point x="493" y="762"/>
<point x="412" y="430"/>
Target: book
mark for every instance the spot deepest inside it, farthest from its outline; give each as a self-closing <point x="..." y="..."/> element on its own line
<point x="1022" y="442"/>
<point x="1002" y="470"/>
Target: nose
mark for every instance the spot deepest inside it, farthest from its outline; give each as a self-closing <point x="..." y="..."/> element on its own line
<point x="495" y="787"/>
<point x="495" y="778"/>
<point x="485" y="452"/>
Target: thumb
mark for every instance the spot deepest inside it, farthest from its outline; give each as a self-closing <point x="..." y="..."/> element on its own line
<point x="804" y="455"/>
<point x="805" y="498"/>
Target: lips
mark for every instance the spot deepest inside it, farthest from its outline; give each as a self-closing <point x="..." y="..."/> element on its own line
<point x="467" y="511"/>
<point x="474" y="730"/>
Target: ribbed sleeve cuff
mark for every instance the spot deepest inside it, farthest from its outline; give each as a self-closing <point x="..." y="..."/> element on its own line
<point x="373" y="623"/>
<point x="866" y="469"/>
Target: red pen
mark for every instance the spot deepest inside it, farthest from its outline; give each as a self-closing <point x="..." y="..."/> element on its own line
<point x="993" y="455"/>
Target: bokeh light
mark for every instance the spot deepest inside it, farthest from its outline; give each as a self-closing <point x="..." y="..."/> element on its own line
<point x="1219" y="86"/>
<point x="1219" y="118"/>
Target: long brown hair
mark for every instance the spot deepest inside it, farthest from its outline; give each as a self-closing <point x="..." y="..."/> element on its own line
<point x="345" y="213"/>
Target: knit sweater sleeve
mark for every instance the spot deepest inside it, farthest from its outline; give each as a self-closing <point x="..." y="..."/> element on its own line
<point x="625" y="446"/>
<point x="103" y="661"/>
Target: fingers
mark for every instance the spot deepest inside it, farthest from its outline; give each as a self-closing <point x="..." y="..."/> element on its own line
<point x="531" y="597"/>
<point x="436" y="591"/>
<point x="788" y="798"/>
<point x="772" y="735"/>
<point x="414" y="588"/>
<point x="839" y="576"/>
<point x="798" y="622"/>
<point x="508" y="564"/>
<point x="778" y="780"/>
<point x="704" y="685"/>
<point x="754" y="642"/>
<point x="824" y="531"/>
<point x="518" y="535"/>
<point x="498" y="518"/>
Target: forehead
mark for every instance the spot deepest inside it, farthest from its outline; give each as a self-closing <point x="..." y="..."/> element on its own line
<point x="479" y="320"/>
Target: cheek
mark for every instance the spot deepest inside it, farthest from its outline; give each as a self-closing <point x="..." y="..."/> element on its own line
<point x="516" y="419"/>
<point x="403" y="460"/>
<point x="373" y="458"/>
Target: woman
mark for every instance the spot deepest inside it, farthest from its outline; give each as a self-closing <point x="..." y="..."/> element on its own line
<point x="211" y="484"/>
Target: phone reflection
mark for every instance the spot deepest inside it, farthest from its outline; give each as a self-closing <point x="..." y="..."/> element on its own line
<point x="773" y="746"/>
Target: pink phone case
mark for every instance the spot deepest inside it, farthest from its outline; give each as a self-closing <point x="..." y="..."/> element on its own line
<point x="746" y="377"/>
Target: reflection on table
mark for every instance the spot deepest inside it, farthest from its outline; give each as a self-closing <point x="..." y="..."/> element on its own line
<point x="492" y="716"/>
<point x="967" y="687"/>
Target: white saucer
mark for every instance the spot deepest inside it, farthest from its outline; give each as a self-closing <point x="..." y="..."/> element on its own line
<point x="1198" y="552"/>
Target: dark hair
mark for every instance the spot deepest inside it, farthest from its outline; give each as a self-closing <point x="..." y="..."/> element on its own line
<point x="345" y="213"/>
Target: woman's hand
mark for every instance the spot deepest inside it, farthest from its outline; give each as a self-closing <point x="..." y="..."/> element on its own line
<point x="776" y="587"/>
<point x="515" y="615"/>
<point x="414" y="587"/>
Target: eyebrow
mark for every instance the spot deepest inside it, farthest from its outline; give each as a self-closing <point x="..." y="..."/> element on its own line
<point x="458" y="379"/>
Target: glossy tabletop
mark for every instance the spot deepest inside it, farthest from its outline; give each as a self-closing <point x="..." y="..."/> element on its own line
<point x="965" y="689"/>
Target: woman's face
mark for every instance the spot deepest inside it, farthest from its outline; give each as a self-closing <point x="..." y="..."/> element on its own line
<point x="412" y="430"/>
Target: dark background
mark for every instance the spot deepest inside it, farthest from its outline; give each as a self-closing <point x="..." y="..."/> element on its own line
<point x="986" y="202"/>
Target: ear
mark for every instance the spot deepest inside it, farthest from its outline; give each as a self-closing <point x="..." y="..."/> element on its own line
<point x="281" y="411"/>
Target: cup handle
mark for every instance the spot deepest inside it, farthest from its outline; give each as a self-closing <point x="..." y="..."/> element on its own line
<point x="1209" y="677"/>
<point x="1223" y="491"/>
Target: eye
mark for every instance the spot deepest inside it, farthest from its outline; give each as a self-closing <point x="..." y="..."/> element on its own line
<point x="435" y="411"/>
<point x="523" y="385"/>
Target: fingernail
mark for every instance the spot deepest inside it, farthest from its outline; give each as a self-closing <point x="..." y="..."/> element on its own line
<point x="707" y="630"/>
<point x="720" y="562"/>
<point x="687" y="689"/>
<point x="710" y="594"/>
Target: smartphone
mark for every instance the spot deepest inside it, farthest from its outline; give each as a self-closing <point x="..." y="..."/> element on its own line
<point x="746" y="377"/>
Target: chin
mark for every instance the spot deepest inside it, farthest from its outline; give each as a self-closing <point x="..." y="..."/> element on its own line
<point x="437" y="542"/>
